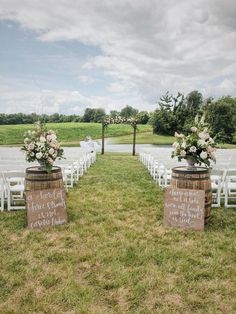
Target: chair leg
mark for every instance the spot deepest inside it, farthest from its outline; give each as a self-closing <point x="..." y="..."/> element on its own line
<point x="9" y="201"/>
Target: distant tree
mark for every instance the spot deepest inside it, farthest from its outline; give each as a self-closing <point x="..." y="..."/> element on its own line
<point x="114" y="113"/>
<point x="88" y="115"/>
<point x="170" y="102"/>
<point x="128" y="112"/>
<point x="170" y="114"/>
<point x="221" y="116"/>
<point x="163" y="122"/>
<point x="93" y="115"/>
<point x="142" y="117"/>
<point x="99" y="115"/>
<point x="194" y="102"/>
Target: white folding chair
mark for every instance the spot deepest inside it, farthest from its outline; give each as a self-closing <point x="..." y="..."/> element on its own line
<point x="230" y="188"/>
<point x="68" y="175"/>
<point x="14" y="182"/>
<point x="1" y="192"/>
<point x="217" y="186"/>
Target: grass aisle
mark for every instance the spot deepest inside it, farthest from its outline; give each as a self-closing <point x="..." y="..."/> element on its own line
<point x="115" y="256"/>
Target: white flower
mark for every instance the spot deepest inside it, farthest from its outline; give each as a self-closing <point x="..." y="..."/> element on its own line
<point x="211" y="141"/>
<point x="175" y="145"/>
<point x="182" y="153"/>
<point x="51" y="151"/>
<point x="193" y="149"/>
<point x="31" y="146"/>
<point x="210" y="149"/>
<point x="204" y="135"/>
<point x="26" y="140"/>
<point x="179" y="135"/>
<point x="193" y="129"/>
<point x="32" y="154"/>
<point x="203" y="155"/>
<point x="201" y="143"/>
<point x="51" y="137"/>
<point x="39" y="155"/>
<point x="42" y="139"/>
<point x="183" y="145"/>
<point x="55" y="145"/>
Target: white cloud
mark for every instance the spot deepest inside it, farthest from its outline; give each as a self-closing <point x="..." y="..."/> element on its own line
<point x="86" y="79"/>
<point x="148" y="46"/>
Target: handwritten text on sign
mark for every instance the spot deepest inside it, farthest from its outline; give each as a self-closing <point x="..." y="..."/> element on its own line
<point x="184" y="208"/>
<point x="46" y="208"/>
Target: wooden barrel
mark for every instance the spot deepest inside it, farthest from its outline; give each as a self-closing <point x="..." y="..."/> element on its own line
<point x="198" y="179"/>
<point x="37" y="179"/>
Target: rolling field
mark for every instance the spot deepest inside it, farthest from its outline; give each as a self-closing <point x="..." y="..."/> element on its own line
<point x="68" y="133"/>
<point x="71" y="133"/>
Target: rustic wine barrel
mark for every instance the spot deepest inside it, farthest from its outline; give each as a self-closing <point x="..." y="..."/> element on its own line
<point x="198" y="179"/>
<point x="37" y="179"/>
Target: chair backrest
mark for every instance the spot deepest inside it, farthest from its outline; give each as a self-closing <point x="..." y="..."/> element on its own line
<point x="231" y="173"/>
<point x="13" y="177"/>
<point x="217" y="172"/>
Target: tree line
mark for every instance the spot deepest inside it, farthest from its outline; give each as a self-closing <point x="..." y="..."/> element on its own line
<point x="177" y="113"/>
<point x="173" y="113"/>
<point x="90" y="115"/>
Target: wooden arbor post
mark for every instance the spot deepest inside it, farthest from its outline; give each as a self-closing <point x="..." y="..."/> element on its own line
<point x="134" y="138"/>
<point x="106" y="123"/>
<point x="103" y="135"/>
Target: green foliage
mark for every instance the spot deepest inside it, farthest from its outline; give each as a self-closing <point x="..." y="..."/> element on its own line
<point x="21" y="118"/>
<point x="221" y="115"/>
<point x="128" y="112"/>
<point x="93" y="115"/>
<point x="142" y="117"/>
<point x="163" y="122"/>
<point x="194" y="103"/>
<point x="170" y="102"/>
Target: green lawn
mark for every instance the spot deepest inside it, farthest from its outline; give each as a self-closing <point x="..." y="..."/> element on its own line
<point x="115" y="256"/>
<point x="68" y="133"/>
<point x="150" y="138"/>
<point x="144" y="138"/>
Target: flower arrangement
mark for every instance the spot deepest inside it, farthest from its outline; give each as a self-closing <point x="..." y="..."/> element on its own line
<point x="119" y="120"/>
<point x="42" y="146"/>
<point x="197" y="147"/>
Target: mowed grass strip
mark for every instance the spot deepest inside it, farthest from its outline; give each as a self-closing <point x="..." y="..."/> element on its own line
<point x="69" y="134"/>
<point x="155" y="139"/>
<point x="144" y="138"/>
<point x="115" y="256"/>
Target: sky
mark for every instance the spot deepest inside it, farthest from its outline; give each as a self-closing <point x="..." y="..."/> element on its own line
<point x="66" y="55"/>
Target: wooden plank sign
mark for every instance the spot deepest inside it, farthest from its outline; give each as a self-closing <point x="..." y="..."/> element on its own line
<point x="46" y="208"/>
<point x="184" y="208"/>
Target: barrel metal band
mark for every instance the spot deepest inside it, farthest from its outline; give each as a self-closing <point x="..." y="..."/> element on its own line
<point x="40" y="180"/>
<point x="189" y="179"/>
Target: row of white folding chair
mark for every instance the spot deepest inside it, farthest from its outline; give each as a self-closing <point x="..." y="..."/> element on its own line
<point x="12" y="189"/>
<point x="72" y="170"/>
<point x="12" y="182"/>
<point x="223" y="182"/>
<point x="230" y="188"/>
<point x="158" y="171"/>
